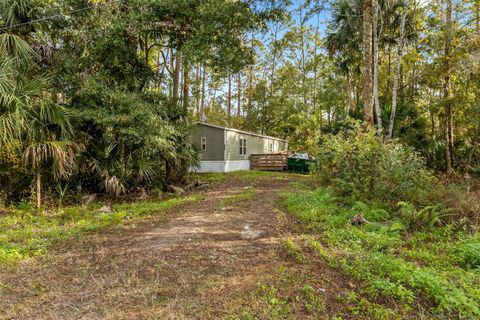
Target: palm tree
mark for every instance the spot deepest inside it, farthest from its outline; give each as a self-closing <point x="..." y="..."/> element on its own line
<point x="16" y="58"/>
<point x="367" y="61"/>
<point x="343" y="42"/>
<point x="26" y="119"/>
<point x="447" y="88"/>
<point x="13" y="12"/>
<point x="377" y="33"/>
<point x="56" y="156"/>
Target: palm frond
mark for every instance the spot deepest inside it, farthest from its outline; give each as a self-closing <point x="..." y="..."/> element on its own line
<point x="17" y="48"/>
<point x="48" y="113"/>
<point x="62" y="153"/>
<point x="12" y="125"/>
<point x="12" y="11"/>
<point x="6" y="75"/>
<point x="113" y="185"/>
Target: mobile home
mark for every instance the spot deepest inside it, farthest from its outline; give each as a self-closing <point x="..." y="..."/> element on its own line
<point x="226" y="149"/>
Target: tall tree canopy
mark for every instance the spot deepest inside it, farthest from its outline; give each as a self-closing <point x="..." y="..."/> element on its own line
<point x="104" y="92"/>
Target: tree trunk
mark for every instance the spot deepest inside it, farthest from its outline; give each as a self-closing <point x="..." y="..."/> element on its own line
<point x="176" y="76"/>
<point x="202" y="100"/>
<point x="38" y="182"/>
<point x="239" y="94"/>
<point x="367" y="62"/>
<point x="274" y="61"/>
<point x="197" y="88"/>
<point x="447" y="90"/>
<point x="376" y="35"/>
<point x="315" y="67"/>
<point x="477" y="15"/>
<point x="229" y="100"/>
<point x="401" y="43"/>
<point x="250" y="87"/>
<point x="304" y="72"/>
<point x="186" y="89"/>
<point x="432" y="122"/>
<point x="145" y="48"/>
<point x="350" y="93"/>
<point x="171" y="71"/>
<point x="250" y="81"/>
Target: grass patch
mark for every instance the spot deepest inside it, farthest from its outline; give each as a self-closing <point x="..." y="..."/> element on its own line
<point x="293" y="250"/>
<point x="243" y="175"/>
<point x="436" y="266"/>
<point x="25" y="232"/>
<point x="246" y="194"/>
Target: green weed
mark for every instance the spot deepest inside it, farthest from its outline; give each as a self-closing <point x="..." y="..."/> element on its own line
<point x="243" y="175"/>
<point x="311" y="299"/>
<point x="293" y="250"/>
<point x="438" y="264"/>
<point x="277" y="308"/>
<point x="246" y="194"/>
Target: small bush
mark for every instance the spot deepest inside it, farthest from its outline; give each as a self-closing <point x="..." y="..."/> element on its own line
<point x="371" y="214"/>
<point x="469" y="254"/>
<point x="429" y="216"/>
<point x="358" y="163"/>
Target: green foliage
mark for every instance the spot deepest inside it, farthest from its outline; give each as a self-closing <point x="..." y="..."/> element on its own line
<point x="382" y="171"/>
<point x="277" y="308"/>
<point x="371" y="213"/>
<point x="293" y="250"/>
<point x="468" y="254"/>
<point x="423" y="265"/>
<point x="311" y="299"/>
<point x="394" y="226"/>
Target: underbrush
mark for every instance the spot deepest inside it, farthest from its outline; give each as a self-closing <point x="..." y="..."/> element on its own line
<point x="359" y="164"/>
<point x="26" y="232"/>
<point x="418" y="266"/>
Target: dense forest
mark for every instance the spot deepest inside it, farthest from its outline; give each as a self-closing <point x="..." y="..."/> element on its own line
<point x="99" y="96"/>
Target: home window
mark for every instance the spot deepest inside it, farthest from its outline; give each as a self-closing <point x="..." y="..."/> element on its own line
<point x="203" y="143"/>
<point x="243" y="146"/>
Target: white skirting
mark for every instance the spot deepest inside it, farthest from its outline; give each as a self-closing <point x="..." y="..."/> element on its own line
<point x="222" y="166"/>
<point x="236" y="165"/>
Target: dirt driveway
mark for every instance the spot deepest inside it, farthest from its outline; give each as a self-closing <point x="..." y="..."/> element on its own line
<point x="219" y="258"/>
<point x="191" y="263"/>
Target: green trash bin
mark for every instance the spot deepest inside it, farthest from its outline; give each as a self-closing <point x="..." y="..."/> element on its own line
<point x="298" y="165"/>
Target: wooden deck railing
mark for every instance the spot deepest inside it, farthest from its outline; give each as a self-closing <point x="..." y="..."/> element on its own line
<point x="268" y="161"/>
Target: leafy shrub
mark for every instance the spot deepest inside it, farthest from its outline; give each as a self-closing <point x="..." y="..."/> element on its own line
<point x="357" y="162"/>
<point x="371" y="214"/>
<point x="469" y="255"/>
<point x="12" y="174"/>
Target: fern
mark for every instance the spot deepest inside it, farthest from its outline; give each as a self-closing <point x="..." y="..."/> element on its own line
<point x="428" y="216"/>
